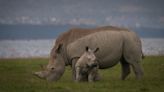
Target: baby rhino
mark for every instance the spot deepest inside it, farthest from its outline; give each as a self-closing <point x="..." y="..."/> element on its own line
<point x="87" y="66"/>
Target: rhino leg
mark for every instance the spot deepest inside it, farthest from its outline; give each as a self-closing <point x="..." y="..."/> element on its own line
<point x="91" y="77"/>
<point x="73" y="68"/>
<point x="137" y="70"/>
<point x="136" y="67"/>
<point x="125" y="69"/>
<point x="97" y="77"/>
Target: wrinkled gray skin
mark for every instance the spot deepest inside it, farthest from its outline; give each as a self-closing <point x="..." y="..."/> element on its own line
<point x="87" y="66"/>
<point x="60" y="57"/>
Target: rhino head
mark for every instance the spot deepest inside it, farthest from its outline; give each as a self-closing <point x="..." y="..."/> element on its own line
<point x="91" y="58"/>
<point x="55" y="68"/>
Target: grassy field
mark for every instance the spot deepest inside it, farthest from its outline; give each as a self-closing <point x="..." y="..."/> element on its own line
<point x="15" y="76"/>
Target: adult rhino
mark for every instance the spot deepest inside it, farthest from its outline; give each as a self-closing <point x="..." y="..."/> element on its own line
<point x="59" y="57"/>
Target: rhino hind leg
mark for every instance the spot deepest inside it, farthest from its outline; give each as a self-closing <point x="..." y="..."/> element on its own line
<point x="136" y="67"/>
<point x="137" y="70"/>
<point x="125" y="69"/>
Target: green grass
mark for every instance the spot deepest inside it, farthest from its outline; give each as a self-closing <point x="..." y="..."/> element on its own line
<point x="15" y="76"/>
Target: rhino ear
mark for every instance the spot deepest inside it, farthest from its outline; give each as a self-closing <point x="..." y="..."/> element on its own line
<point x="58" y="50"/>
<point x="97" y="49"/>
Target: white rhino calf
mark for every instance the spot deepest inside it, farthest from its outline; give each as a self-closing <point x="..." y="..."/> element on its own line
<point x="87" y="66"/>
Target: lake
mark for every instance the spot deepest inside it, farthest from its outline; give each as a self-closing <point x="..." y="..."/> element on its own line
<point x="41" y="48"/>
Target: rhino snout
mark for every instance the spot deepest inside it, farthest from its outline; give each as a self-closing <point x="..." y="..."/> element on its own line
<point x="39" y="74"/>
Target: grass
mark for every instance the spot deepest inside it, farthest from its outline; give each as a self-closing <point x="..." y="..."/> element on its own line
<point x="15" y="76"/>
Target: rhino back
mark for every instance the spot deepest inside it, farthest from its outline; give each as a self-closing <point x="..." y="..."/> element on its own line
<point x="76" y="33"/>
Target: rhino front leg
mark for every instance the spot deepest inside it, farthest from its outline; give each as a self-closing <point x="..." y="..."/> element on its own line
<point x="78" y="75"/>
<point x="74" y="69"/>
<point x="97" y="77"/>
<point x="91" y="77"/>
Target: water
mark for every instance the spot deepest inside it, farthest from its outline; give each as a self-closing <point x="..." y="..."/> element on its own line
<point x="25" y="48"/>
<point x="153" y="46"/>
<point x="42" y="48"/>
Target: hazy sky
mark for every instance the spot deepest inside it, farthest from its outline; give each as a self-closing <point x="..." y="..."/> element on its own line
<point x="133" y="13"/>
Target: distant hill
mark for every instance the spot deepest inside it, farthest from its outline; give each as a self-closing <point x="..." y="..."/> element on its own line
<point x="52" y="31"/>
